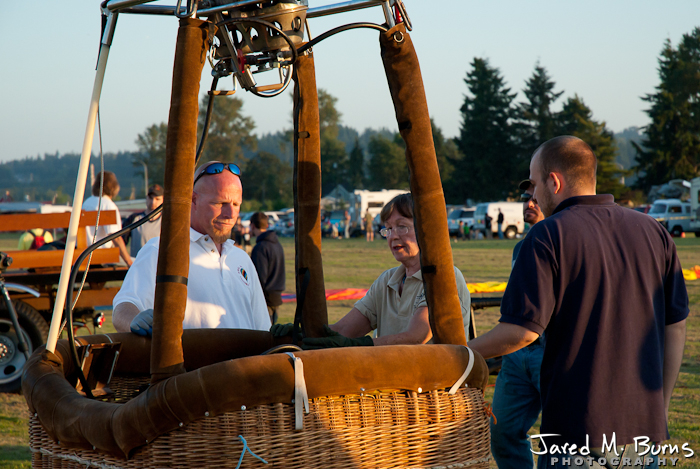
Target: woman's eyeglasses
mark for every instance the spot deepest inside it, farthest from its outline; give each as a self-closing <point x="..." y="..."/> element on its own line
<point x="399" y="230"/>
<point x="218" y="168"/>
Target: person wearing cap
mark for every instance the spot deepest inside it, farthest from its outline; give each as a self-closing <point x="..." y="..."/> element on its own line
<point x="223" y="289"/>
<point x="516" y="398"/>
<point x="141" y="235"/>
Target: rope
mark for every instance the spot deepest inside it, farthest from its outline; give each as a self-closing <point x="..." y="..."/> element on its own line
<point x="246" y="448"/>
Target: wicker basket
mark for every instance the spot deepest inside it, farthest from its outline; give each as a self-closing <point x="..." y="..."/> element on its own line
<point x="369" y="430"/>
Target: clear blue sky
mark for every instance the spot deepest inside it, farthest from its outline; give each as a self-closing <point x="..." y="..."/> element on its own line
<point x="606" y="52"/>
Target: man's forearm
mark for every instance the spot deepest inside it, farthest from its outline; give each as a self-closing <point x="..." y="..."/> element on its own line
<point x="674" y="343"/>
<point x="503" y="339"/>
<point x="123" y="252"/>
<point x="122" y="315"/>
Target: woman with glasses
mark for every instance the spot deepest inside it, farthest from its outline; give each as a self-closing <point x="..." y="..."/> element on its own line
<point x="395" y="304"/>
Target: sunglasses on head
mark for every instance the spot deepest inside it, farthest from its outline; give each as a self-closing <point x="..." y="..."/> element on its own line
<point x="218" y="168"/>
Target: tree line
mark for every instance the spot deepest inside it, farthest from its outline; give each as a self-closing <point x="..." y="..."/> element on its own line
<point x="497" y="136"/>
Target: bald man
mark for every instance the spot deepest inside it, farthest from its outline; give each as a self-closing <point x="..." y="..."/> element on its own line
<point x="605" y="286"/>
<point x="223" y="288"/>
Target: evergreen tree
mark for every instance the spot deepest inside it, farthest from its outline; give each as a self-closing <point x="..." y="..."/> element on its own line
<point x="387" y="164"/>
<point x="539" y="121"/>
<point x="671" y="145"/>
<point x="446" y="151"/>
<point x="356" y="167"/>
<point x="268" y="180"/>
<point x="488" y="169"/>
<point x="576" y="119"/>
<point x="229" y="131"/>
<point x="334" y="158"/>
<point x="151" y="146"/>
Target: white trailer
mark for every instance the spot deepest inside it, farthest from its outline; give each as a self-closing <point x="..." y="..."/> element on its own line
<point x="363" y="201"/>
<point x="695" y="206"/>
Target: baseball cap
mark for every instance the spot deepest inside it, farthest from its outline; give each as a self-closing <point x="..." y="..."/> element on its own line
<point x="524" y="184"/>
<point x="155" y="190"/>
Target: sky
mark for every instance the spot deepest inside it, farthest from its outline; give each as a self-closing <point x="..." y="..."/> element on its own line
<point x="606" y="52"/>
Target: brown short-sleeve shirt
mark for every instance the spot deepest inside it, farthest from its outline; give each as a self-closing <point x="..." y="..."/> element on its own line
<point x="390" y="313"/>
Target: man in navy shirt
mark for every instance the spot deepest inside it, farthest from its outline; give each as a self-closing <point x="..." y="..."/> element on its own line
<point x="606" y="284"/>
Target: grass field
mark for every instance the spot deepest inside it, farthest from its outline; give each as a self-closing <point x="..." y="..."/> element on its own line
<point x="355" y="263"/>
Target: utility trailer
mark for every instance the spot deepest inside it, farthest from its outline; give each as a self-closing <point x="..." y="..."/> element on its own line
<point x="31" y="278"/>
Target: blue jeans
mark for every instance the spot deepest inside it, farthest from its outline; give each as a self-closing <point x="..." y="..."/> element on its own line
<point x="626" y="459"/>
<point x="500" y="232"/>
<point x="516" y="405"/>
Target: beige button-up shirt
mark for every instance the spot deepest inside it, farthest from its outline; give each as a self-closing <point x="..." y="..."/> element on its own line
<point x="390" y="313"/>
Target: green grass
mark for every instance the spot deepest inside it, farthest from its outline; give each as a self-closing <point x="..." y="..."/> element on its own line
<point x="356" y="263"/>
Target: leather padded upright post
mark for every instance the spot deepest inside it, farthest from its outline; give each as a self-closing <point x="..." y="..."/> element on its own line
<point x="173" y="257"/>
<point x="430" y="215"/>
<point x="307" y="196"/>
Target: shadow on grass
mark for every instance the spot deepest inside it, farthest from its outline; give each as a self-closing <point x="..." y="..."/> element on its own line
<point x="12" y="457"/>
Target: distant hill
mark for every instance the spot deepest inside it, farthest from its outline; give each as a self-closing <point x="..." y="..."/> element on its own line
<point x="281" y="145"/>
<point x="49" y="177"/>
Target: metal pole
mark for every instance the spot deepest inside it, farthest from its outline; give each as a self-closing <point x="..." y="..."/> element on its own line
<point x="80" y="186"/>
<point x="145" y="179"/>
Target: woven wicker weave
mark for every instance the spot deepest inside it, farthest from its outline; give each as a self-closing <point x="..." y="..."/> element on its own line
<point x="370" y="430"/>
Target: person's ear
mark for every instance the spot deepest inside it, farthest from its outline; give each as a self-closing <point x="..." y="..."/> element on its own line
<point x="557" y="182"/>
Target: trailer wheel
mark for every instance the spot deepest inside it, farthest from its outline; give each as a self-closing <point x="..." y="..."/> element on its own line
<point x="35" y="331"/>
<point x="511" y="232"/>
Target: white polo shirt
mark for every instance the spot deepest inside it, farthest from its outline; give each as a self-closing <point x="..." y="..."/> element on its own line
<point x="390" y="313"/>
<point x="223" y="291"/>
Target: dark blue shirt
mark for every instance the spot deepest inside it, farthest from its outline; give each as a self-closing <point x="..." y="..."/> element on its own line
<point x="268" y="257"/>
<point x="603" y="281"/>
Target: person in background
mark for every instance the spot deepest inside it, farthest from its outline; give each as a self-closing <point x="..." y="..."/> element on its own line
<point x="223" y="289"/>
<point x="488" y="219"/>
<point x="268" y="257"/>
<point x="150" y="229"/>
<point x="369" y="228"/>
<point x="516" y="398"/>
<point x="7" y="197"/>
<point x="347" y="224"/>
<point x="460" y="231"/>
<point x="395" y="305"/>
<point x="499" y="221"/>
<point x="237" y="234"/>
<point x="34" y="239"/>
<point x="109" y="191"/>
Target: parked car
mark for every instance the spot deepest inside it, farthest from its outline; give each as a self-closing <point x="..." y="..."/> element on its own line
<point x="673" y="214"/>
<point x="513" y="223"/>
<point x="643" y="208"/>
<point x="458" y="214"/>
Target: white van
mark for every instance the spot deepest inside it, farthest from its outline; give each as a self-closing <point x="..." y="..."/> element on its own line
<point x="513" y="223"/>
<point x="673" y="214"/>
<point x="462" y="214"/>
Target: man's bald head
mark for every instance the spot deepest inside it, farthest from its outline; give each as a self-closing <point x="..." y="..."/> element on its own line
<point x="573" y="158"/>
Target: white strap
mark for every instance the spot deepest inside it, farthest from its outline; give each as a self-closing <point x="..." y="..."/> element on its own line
<point x="301" y="397"/>
<point x="463" y="378"/>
